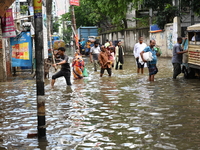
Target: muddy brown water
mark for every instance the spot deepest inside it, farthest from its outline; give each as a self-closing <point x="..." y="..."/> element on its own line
<point x="122" y="112"/>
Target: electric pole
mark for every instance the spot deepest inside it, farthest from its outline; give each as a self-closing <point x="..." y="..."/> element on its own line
<point x="39" y="56"/>
<point x="74" y="26"/>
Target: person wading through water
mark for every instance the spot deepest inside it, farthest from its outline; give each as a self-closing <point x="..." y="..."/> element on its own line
<point x="104" y="61"/>
<point x="119" y="56"/>
<point x="65" y="67"/>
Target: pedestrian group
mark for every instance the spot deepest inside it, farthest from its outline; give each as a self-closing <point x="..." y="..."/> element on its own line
<point x="111" y="55"/>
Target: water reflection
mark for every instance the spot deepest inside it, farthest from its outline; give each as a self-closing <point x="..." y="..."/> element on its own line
<point x="42" y="144"/>
<point x="122" y="112"/>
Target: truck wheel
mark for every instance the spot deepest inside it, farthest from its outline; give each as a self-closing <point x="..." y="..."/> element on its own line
<point x="191" y="73"/>
<point x="185" y="72"/>
<point x="188" y="73"/>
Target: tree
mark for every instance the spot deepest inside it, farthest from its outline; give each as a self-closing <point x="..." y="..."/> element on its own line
<point x="193" y="4"/>
<point x="112" y="13"/>
<point x="166" y="12"/>
<point x="56" y="25"/>
<point x="109" y="13"/>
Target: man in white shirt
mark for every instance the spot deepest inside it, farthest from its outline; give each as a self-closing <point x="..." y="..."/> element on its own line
<point x="94" y="53"/>
<point x="138" y="48"/>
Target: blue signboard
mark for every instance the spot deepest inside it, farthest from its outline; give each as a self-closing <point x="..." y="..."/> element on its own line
<point x="21" y="50"/>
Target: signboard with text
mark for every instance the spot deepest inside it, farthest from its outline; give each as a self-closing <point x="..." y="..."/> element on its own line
<point x="38" y="8"/>
<point x="7" y="25"/>
<point x="21" y="50"/>
<point x="74" y="2"/>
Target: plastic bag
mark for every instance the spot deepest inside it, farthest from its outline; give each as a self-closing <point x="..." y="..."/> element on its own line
<point x="85" y="72"/>
<point x="158" y="50"/>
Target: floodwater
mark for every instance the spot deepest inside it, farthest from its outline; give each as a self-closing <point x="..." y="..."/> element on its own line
<point x="124" y="111"/>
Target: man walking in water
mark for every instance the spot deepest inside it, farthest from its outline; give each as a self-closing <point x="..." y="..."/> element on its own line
<point x="119" y="56"/>
<point x="104" y="61"/>
<point x="151" y="64"/>
<point x="177" y="57"/>
<point x="65" y="67"/>
<point x="138" y="48"/>
<point x="94" y="53"/>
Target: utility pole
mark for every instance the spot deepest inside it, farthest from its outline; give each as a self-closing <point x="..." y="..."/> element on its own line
<point x="191" y="12"/>
<point x="73" y="17"/>
<point x="39" y="55"/>
<point x="49" y="11"/>
<point x="49" y="28"/>
<point x="74" y="26"/>
<point x="150" y="16"/>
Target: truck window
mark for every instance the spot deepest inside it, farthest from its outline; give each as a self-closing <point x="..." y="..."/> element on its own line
<point x="194" y="38"/>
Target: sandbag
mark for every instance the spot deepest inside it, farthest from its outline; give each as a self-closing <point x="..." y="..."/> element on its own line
<point x="147" y="56"/>
<point x="58" y="43"/>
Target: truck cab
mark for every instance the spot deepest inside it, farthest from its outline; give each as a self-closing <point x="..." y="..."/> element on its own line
<point x="191" y="66"/>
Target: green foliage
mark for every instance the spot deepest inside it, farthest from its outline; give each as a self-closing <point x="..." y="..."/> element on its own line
<point x="67" y="35"/>
<point x="193" y="4"/>
<point x="56" y="26"/>
<point x="85" y="14"/>
<point x="166" y="16"/>
<point x="23" y="9"/>
<point x="142" y="21"/>
<point x="166" y="12"/>
<point x="66" y="32"/>
<point x="110" y="13"/>
<point x="157" y="5"/>
<point x="66" y="17"/>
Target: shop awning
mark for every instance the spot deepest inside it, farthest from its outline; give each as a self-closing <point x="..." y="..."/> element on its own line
<point x="4" y="5"/>
<point x="154" y="28"/>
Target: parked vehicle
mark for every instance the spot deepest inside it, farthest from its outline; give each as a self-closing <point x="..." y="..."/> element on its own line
<point x="191" y="61"/>
<point x="87" y="32"/>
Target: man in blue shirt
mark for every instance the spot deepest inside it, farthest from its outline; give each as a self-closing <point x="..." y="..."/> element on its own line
<point x="83" y="42"/>
<point x="151" y="64"/>
<point x="177" y="57"/>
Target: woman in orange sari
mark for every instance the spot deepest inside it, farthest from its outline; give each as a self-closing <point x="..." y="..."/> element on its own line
<point x="78" y="66"/>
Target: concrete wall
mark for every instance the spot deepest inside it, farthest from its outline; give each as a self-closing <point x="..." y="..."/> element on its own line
<point x="129" y="16"/>
<point x="164" y="40"/>
<point x="128" y="37"/>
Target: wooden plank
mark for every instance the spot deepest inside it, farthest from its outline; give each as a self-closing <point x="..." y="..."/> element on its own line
<point x="194" y="46"/>
<point x="194" y="54"/>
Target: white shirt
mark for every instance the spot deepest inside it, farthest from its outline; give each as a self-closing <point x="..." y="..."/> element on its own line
<point x="138" y="48"/>
<point x="95" y="50"/>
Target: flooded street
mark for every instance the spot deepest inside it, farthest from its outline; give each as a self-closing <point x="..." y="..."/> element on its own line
<point x="119" y="113"/>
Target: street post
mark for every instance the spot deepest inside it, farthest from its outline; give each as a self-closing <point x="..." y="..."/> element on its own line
<point x="39" y="55"/>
